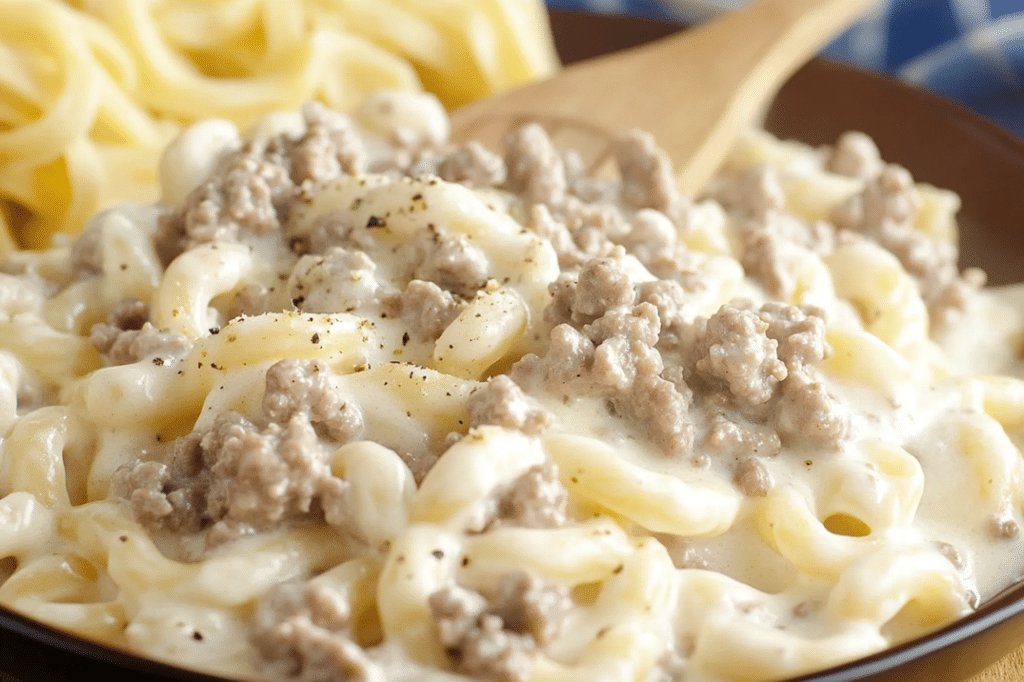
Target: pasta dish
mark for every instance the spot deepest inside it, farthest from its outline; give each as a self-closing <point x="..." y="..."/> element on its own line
<point x="351" y="402"/>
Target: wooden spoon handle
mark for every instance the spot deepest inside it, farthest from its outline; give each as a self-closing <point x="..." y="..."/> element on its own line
<point x="694" y="90"/>
<point x="748" y="55"/>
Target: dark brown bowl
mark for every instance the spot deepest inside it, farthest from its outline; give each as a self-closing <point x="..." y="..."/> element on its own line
<point x="938" y="141"/>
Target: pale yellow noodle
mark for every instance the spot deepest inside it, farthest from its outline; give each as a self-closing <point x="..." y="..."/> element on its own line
<point x="92" y="90"/>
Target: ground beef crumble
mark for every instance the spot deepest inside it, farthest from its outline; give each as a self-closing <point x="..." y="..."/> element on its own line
<point x="600" y="285"/>
<point x="535" y="169"/>
<point x="648" y="179"/>
<point x="335" y="229"/>
<point x="303" y="387"/>
<point x="536" y="499"/>
<point x="569" y="357"/>
<point x="754" y="194"/>
<point x="299" y="633"/>
<point x="501" y="402"/>
<point x="1003" y="528"/>
<point x="855" y="155"/>
<point x="807" y="413"/>
<point x="87" y="251"/>
<point x="329" y="147"/>
<point x="473" y="165"/>
<point x="570" y="253"/>
<point x="799" y="331"/>
<point x="253" y="188"/>
<point x="245" y="195"/>
<point x="762" y="362"/>
<point x="651" y="237"/>
<point x="742" y="439"/>
<point x="885" y="211"/>
<point x="260" y="477"/>
<point x="496" y="639"/>
<point x="671" y="299"/>
<point x="751" y="477"/>
<point x="127" y="336"/>
<point x="764" y="260"/>
<point x="168" y="495"/>
<point x="767" y="237"/>
<point x="619" y="362"/>
<point x="605" y="346"/>
<point x="600" y="221"/>
<point x="733" y="350"/>
<point x="251" y="299"/>
<point x="238" y="476"/>
<point x="769" y="245"/>
<point x="662" y="407"/>
<point x="452" y="262"/>
<point x="427" y="309"/>
<point x="640" y="323"/>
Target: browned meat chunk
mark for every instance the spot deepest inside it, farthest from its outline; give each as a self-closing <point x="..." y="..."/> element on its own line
<point x="501" y="402"/>
<point x="452" y="262"/>
<point x="298" y="633"/>
<point x="238" y="477"/>
<point x="497" y="639"/>
<point x="303" y="387"/>
<point x="330" y="147"/>
<point x="807" y="413"/>
<point x="473" y="165"/>
<point x="741" y="439"/>
<point x="648" y="180"/>
<point x="427" y="309"/>
<point x="537" y="499"/>
<point x="735" y="351"/>
<point x="751" y="477"/>
<point x="885" y="211"/>
<point x="536" y="171"/>
<point x="127" y="337"/>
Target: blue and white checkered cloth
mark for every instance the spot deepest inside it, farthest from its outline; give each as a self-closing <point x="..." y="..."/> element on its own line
<point x="971" y="51"/>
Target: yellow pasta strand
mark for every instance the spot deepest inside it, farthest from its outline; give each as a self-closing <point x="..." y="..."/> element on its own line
<point x="91" y="91"/>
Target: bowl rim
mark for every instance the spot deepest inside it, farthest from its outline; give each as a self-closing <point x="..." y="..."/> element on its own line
<point x="73" y="645"/>
<point x="991" y="614"/>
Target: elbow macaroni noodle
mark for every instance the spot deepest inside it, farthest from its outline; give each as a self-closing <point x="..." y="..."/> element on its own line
<point x="671" y="570"/>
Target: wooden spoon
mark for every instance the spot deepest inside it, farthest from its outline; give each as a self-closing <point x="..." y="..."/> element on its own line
<point x="695" y="90"/>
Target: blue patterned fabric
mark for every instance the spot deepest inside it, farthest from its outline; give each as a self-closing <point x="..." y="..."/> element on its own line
<point x="971" y="51"/>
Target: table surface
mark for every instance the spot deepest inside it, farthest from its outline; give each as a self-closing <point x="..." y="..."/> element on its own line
<point x="1008" y="669"/>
